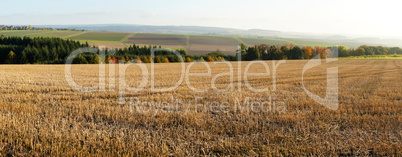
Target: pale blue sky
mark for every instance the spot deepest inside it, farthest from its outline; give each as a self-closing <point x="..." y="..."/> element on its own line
<point x="365" y="17"/>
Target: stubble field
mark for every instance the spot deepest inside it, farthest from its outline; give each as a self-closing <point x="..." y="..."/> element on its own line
<point x="41" y="114"/>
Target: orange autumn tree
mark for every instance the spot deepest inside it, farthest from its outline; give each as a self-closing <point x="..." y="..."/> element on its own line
<point x="138" y="59"/>
<point x="308" y="52"/>
<point x="158" y="59"/>
<point x="321" y="51"/>
<point x="113" y="60"/>
<point x="210" y="59"/>
<point x="291" y="46"/>
<point x="150" y="59"/>
<point x="144" y="59"/>
<point x="188" y="59"/>
<point x="166" y="60"/>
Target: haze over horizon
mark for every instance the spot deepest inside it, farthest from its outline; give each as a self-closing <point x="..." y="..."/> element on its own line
<point x="359" y="17"/>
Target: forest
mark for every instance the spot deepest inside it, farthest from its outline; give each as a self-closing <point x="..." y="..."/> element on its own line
<point x="46" y="50"/>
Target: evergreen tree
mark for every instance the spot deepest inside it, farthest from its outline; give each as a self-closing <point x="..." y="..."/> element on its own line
<point x="23" y="59"/>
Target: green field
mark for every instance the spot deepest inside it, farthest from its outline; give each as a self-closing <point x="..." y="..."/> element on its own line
<point x="375" y="57"/>
<point x="60" y="34"/>
<point x="194" y="44"/>
<point x="22" y="32"/>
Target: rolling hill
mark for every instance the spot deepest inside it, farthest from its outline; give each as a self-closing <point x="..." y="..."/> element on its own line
<point x="195" y="39"/>
<point x="194" y="44"/>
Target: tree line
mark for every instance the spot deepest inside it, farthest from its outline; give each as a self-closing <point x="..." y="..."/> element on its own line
<point x="29" y="27"/>
<point x="369" y="50"/>
<point x="278" y="52"/>
<point x="45" y="50"/>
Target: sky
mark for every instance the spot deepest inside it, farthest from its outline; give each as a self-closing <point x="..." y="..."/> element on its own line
<point x="355" y="17"/>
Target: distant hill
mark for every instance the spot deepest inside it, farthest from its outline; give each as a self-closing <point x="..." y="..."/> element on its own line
<point x="190" y="30"/>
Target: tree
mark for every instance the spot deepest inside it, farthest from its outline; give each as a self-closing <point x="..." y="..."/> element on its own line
<point x="145" y="59"/>
<point x="308" y="52"/>
<point x="368" y="50"/>
<point x="53" y="54"/>
<point x="138" y="59"/>
<point x="166" y="60"/>
<point x="242" y="48"/>
<point x="342" y="51"/>
<point x="382" y="50"/>
<point x="24" y="59"/>
<point x="275" y="53"/>
<point x="285" y="51"/>
<point x="158" y="59"/>
<point x="80" y="59"/>
<point x="11" y="58"/>
<point x="263" y="49"/>
<point x="241" y="51"/>
<point x="182" y="52"/>
<point x="92" y="58"/>
<point x="320" y="51"/>
<point x="188" y="59"/>
<point x="395" y="50"/>
<point x="95" y="59"/>
<point x="210" y="59"/>
<point x="358" y="52"/>
<point x="45" y="54"/>
<point x="36" y="55"/>
<point x="295" y="53"/>
<point x="291" y="46"/>
<point x="252" y="53"/>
